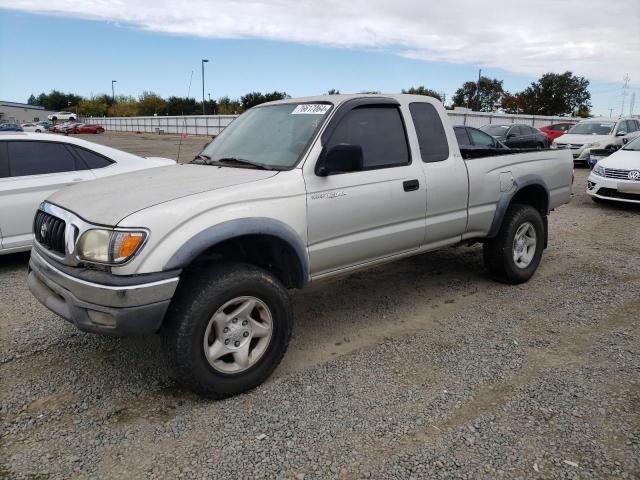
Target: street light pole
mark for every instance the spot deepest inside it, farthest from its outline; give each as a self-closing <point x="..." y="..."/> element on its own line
<point x="113" y="92"/>
<point x="204" y="60"/>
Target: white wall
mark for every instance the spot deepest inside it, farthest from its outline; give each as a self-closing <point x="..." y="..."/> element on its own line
<point x="211" y="125"/>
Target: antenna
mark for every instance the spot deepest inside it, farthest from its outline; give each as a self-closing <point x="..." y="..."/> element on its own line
<point x="184" y="120"/>
<point x="624" y="94"/>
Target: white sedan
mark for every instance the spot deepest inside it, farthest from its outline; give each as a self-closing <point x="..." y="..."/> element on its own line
<point x="617" y="177"/>
<point x="34" y="165"/>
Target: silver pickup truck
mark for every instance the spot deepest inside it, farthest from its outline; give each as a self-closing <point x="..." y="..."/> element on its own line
<point x="291" y="192"/>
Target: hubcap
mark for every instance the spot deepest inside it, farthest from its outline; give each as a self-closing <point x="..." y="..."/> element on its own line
<point x="524" y="245"/>
<point x="238" y="334"/>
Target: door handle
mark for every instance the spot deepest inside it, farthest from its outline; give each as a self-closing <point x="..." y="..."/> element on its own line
<point x="410" y="185"/>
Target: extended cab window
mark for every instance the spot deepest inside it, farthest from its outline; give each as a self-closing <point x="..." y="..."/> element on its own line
<point x="91" y="159"/>
<point x="379" y="131"/>
<point x="430" y="131"/>
<point x="36" y="158"/>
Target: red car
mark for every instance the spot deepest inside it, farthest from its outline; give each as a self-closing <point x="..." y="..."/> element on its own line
<point x="84" y="128"/>
<point x="556" y="130"/>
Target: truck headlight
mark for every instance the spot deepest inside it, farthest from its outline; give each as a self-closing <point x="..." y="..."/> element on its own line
<point x="110" y="246"/>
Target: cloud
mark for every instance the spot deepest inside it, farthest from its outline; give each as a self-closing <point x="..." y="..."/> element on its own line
<point x="600" y="40"/>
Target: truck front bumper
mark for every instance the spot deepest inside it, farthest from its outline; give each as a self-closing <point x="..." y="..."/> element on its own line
<point x="111" y="308"/>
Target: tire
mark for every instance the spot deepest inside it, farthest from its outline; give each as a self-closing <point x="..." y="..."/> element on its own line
<point x="38" y="131"/>
<point x="189" y="328"/>
<point x="499" y="252"/>
<point x="540" y="146"/>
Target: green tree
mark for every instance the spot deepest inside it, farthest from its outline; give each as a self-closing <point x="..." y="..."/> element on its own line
<point x="557" y="94"/>
<point x="226" y="106"/>
<point x="55" y="100"/>
<point x="183" y="106"/>
<point x="421" y="90"/>
<point x="124" y="106"/>
<point x="149" y="104"/>
<point x="483" y="99"/>
<point x="256" y="98"/>
<point x="333" y="91"/>
<point x="93" y="107"/>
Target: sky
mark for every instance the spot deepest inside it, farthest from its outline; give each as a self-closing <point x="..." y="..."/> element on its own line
<point x="306" y="47"/>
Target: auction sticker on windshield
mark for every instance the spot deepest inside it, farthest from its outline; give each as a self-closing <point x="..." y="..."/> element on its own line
<point x="311" y="108"/>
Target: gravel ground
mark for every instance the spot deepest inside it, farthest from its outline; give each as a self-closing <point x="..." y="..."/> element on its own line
<point x="444" y="375"/>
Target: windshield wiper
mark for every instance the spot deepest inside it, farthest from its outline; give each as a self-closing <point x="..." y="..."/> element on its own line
<point x="242" y="161"/>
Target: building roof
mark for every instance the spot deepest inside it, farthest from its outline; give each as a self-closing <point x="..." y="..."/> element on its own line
<point x="21" y="105"/>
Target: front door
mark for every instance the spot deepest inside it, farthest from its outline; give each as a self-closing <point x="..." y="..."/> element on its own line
<point x="369" y="214"/>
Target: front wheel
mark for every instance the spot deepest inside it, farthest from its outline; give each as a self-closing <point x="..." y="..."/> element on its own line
<point x="227" y="329"/>
<point x="514" y="254"/>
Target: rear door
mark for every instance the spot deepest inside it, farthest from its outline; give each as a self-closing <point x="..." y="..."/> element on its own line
<point x="35" y="169"/>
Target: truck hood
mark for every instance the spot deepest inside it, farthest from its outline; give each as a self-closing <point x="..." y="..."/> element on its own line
<point x="582" y="139"/>
<point x="107" y="201"/>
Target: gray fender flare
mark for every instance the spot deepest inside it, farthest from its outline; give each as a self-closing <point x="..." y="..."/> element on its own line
<point x="507" y="197"/>
<point x="237" y="228"/>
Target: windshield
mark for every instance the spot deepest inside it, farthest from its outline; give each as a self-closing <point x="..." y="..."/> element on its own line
<point x="633" y="145"/>
<point x="271" y="137"/>
<point x="592" y="128"/>
<point x="496" y="130"/>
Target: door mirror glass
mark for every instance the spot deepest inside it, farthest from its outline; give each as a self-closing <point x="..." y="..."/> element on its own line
<point x="341" y="158"/>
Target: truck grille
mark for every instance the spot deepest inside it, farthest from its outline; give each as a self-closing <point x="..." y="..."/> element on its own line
<point x="49" y="231"/>
<point x="619" y="174"/>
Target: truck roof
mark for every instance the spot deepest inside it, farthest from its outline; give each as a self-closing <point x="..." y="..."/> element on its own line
<point x="337" y="99"/>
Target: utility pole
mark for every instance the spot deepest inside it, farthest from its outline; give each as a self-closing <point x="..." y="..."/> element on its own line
<point x="632" y="103"/>
<point x="625" y="87"/>
<point x="113" y="92"/>
<point x="204" y="60"/>
<point x="610" y="112"/>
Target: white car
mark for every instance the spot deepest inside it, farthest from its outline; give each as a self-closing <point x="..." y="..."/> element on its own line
<point x="34" y="165"/>
<point x="33" y="127"/>
<point x="596" y="133"/>
<point x="62" y="116"/>
<point x="617" y="177"/>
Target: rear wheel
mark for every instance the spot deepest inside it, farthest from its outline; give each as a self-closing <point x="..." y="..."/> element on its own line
<point x="227" y="329"/>
<point x="514" y="254"/>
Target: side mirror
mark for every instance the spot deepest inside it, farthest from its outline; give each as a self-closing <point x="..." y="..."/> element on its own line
<point x="621" y="133"/>
<point x="340" y="159"/>
<point x="625" y="141"/>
